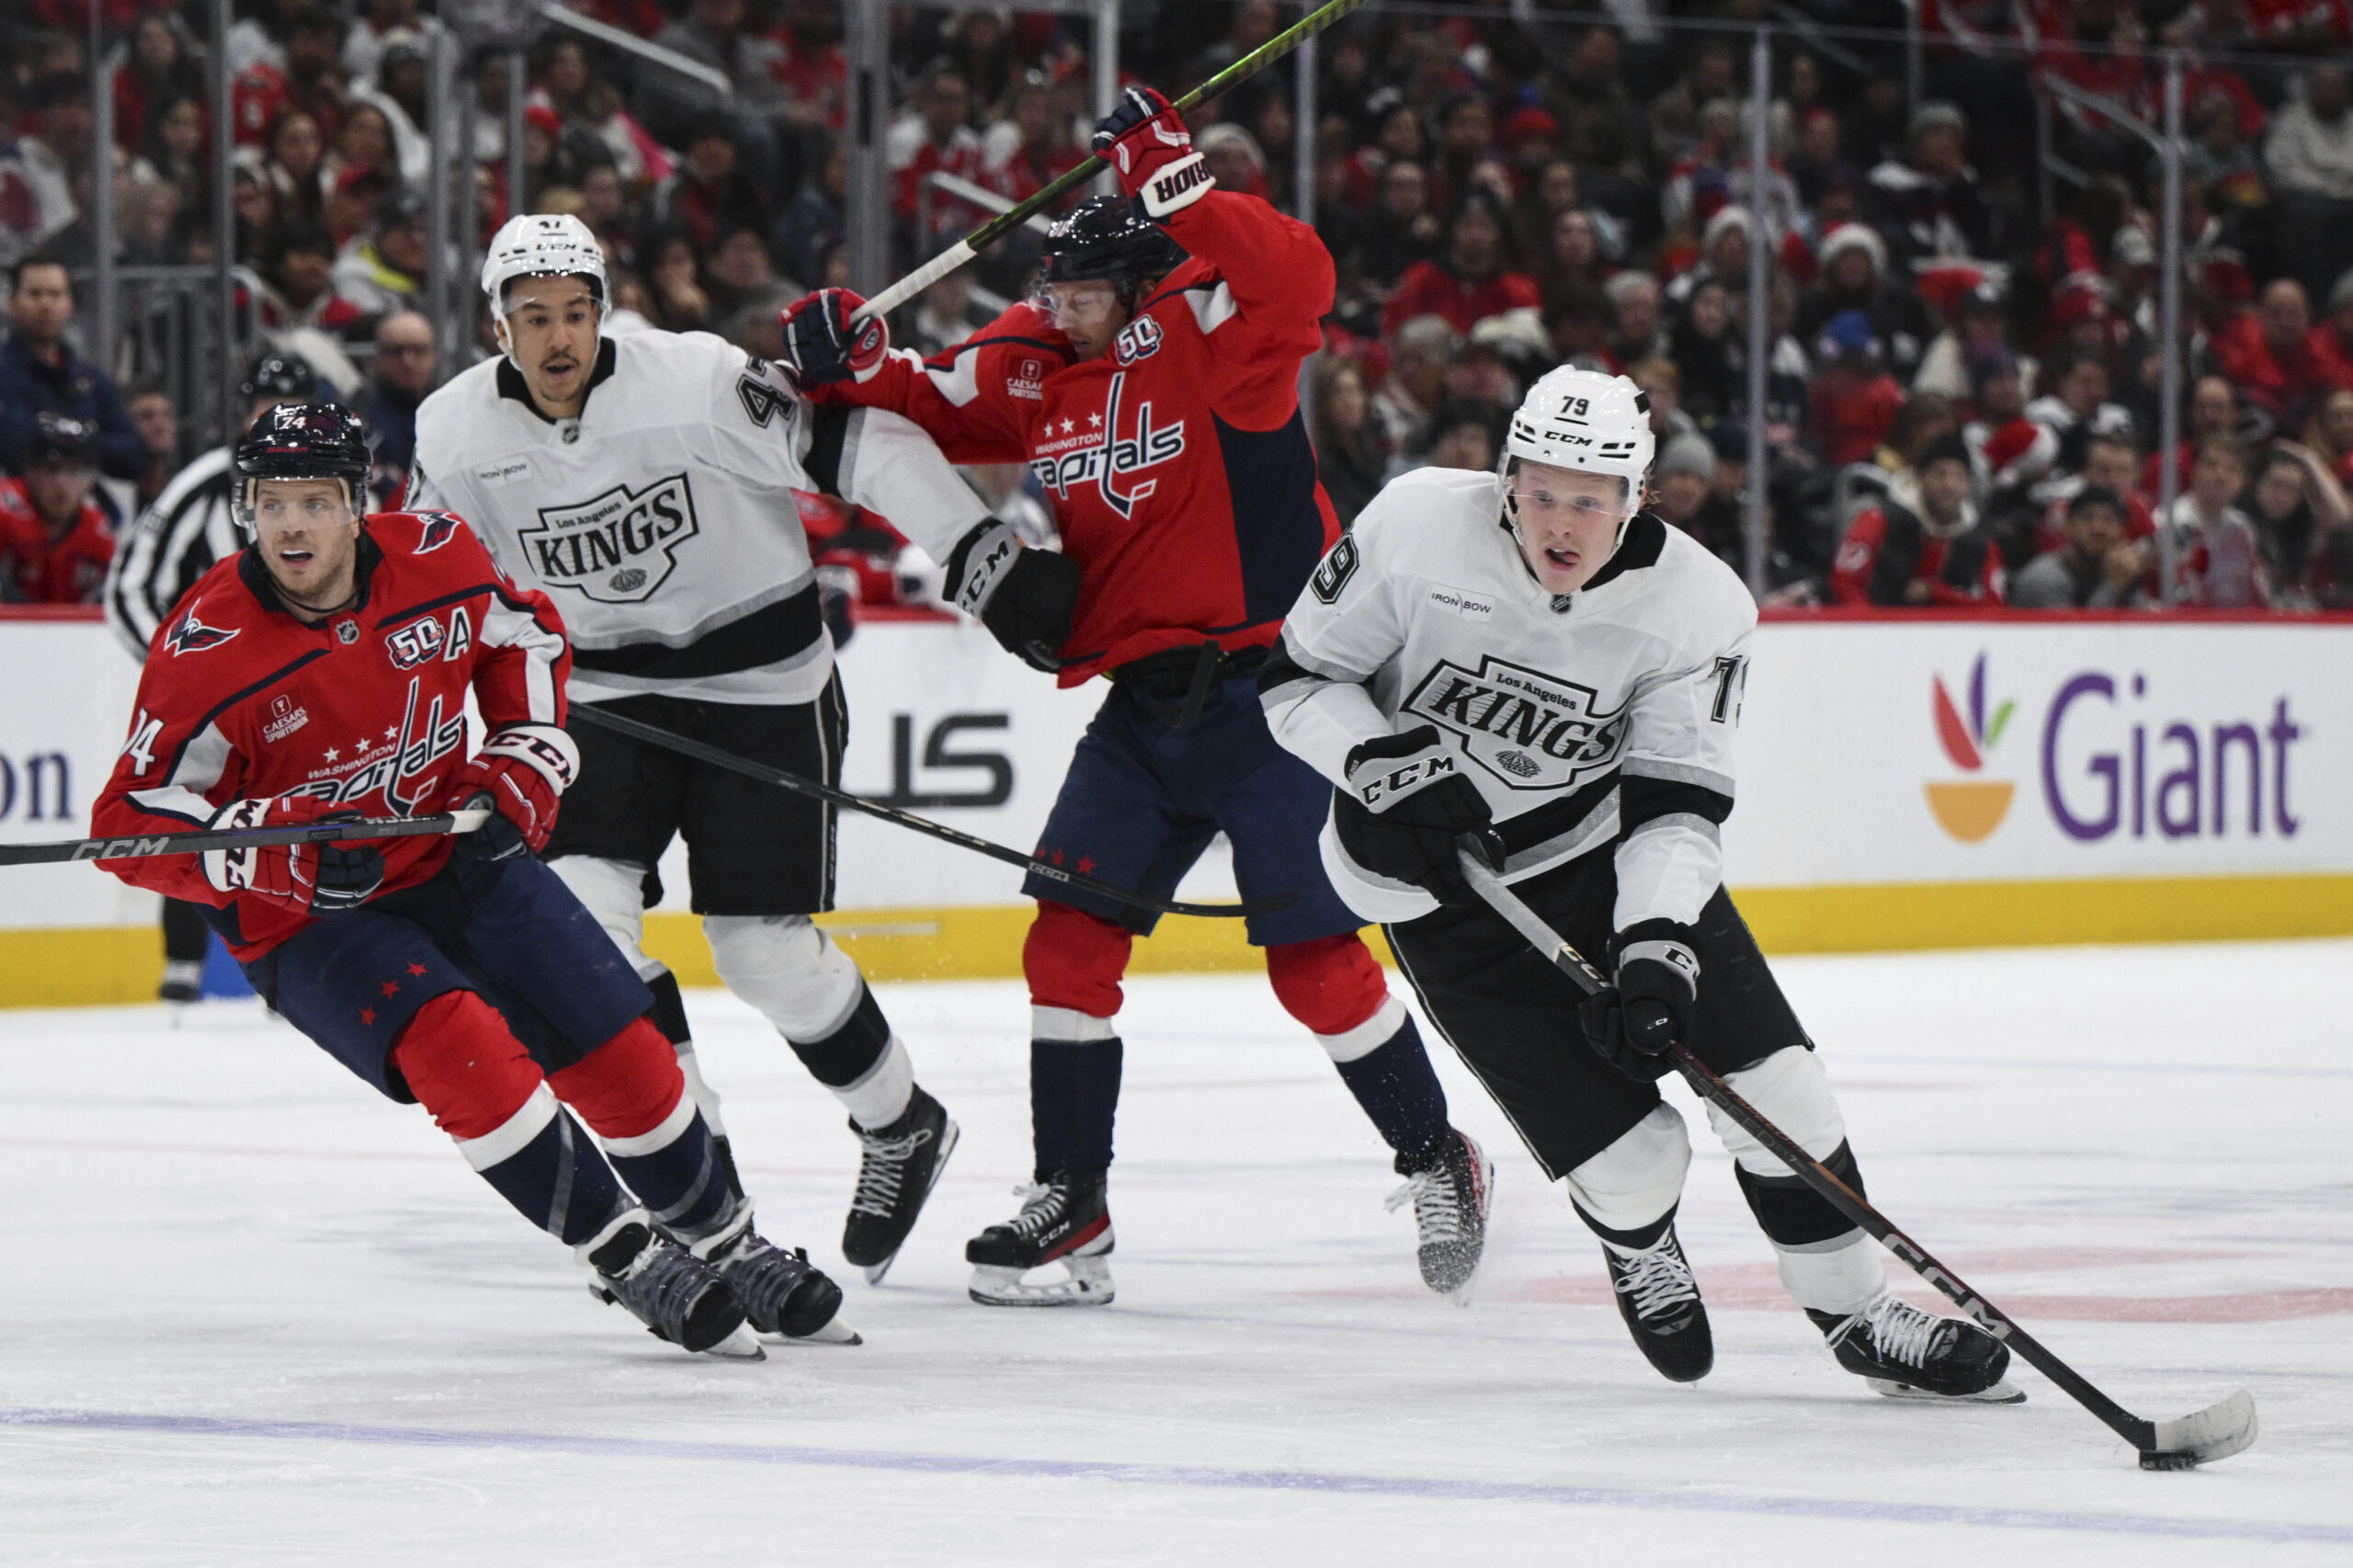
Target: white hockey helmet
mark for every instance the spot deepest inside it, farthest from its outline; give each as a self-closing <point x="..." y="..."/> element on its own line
<point x="1582" y="419"/>
<point x="541" y="244"/>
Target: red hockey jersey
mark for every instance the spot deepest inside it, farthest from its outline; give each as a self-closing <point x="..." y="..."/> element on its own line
<point x="42" y="569"/>
<point x="1178" y="464"/>
<point x="240" y="700"/>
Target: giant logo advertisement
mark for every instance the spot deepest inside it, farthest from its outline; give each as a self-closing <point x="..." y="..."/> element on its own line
<point x="1890" y="752"/>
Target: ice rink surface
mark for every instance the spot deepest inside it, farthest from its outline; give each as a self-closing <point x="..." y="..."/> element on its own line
<point x="253" y="1314"/>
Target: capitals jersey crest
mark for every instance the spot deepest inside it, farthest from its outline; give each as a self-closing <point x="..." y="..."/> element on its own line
<point x="1099" y="455"/>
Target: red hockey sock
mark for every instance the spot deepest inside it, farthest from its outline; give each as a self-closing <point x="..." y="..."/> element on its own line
<point x="464" y="1066"/>
<point x="1074" y="960"/>
<point x="626" y="1087"/>
<point x="1331" y="984"/>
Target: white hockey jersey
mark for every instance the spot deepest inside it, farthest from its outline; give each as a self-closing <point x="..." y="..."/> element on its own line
<point x="1601" y="718"/>
<point x="662" y="522"/>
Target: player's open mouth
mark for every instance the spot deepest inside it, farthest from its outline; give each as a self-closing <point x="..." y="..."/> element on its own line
<point x="1562" y="558"/>
<point x="293" y="556"/>
<point x="559" y="367"/>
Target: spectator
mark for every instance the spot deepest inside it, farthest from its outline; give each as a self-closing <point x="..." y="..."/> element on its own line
<point x="1983" y="328"/>
<point x="381" y="21"/>
<point x="399" y="93"/>
<point x="1419" y="353"/>
<point x="1662" y="384"/>
<point x="2329" y="345"/>
<point x="1854" y="266"/>
<point x="54" y="540"/>
<point x="40" y="204"/>
<point x="1579" y="324"/>
<point x="1634" y="301"/>
<point x="1723" y="259"/>
<point x="675" y="107"/>
<point x="945" y="315"/>
<point x="2330" y="435"/>
<point x="814" y="218"/>
<point x="315" y="69"/>
<point x="1587" y="93"/>
<point x="674" y="290"/>
<point x="161" y="70"/>
<point x="1463" y="435"/>
<point x="172" y="150"/>
<point x="1674" y="113"/>
<point x="1928" y="205"/>
<point x="365" y="142"/>
<point x="2110" y="463"/>
<point x="1702" y="346"/>
<point x="400" y="374"/>
<point x="159" y="430"/>
<point x="2218" y="562"/>
<point x="2299" y="511"/>
<point x="707" y="195"/>
<point x="297" y="287"/>
<point x="1854" y="398"/>
<point x="935" y="137"/>
<point x="2009" y="450"/>
<point x="1474" y="279"/>
<point x="2309" y="153"/>
<point x="1819" y="163"/>
<point x="1352" y="454"/>
<point x="1572" y="263"/>
<point x="40" y="373"/>
<point x="1402" y="230"/>
<point x="1924" y="544"/>
<point x="1684" y="494"/>
<point x="2096" y="568"/>
<point x="2077" y="410"/>
<point x="1031" y="147"/>
<point x="385" y="271"/>
<point x="2267" y="356"/>
<point x="1234" y="159"/>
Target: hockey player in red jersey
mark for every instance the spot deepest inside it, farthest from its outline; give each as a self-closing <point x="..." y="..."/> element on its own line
<point x="322" y="672"/>
<point x="1151" y="386"/>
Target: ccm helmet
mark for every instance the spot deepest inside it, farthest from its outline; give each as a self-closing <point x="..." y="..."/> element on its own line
<point x="1584" y="420"/>
<point x="1107" y="238"/>
<point x="301" y="440"/>
<point x="541" y="244"/>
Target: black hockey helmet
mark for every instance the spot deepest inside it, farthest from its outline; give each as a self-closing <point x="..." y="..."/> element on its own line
<point x="302" y="441"/>
<point x="276" y="374"/>
<point x="1107" y="238"/>
<point x="62" y="438"/>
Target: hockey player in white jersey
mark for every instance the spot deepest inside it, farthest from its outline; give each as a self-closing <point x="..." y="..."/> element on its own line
<point x="1529" y="655"/>
<point x="644" y="484"/>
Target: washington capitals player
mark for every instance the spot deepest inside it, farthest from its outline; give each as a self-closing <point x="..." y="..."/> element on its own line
<point x="1156" y="398"/>
<point x="644" y="483"/>
<point x="323" y="671"/>
<point x="1527" y="654"/>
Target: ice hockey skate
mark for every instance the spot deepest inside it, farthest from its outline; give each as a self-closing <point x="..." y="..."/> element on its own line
<point x="901" y="1165"/>
<point x="1449" y="1199"/>
<point x="1660" y="1301"/>
<point x="1906" y="1353"/>
<point x="1063" y="1220"/>
<point x="678" y="1296"/>
<point x="785" y="1299"/>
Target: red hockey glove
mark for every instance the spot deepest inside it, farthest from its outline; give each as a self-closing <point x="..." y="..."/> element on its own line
<point x="822" y="346"/>
<point x="1656" y="996"/>
<point x="1148" y="147"/>
<point x="316" y="879"/>
<point x="523" y="770"/>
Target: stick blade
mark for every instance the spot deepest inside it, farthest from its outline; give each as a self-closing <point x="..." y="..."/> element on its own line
<point x="2214" y="1432"/>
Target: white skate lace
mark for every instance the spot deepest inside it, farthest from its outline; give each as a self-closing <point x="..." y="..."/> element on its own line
<point x="883" y="1169"/>
<point x="1042" y="1207"/>
<point x="1437" y="1208"/>
<point x="1899" y="1330"/>
<point x="1656" y="1278"/>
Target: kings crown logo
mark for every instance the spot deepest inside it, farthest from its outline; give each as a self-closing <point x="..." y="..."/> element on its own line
<point x="619" y="547"/>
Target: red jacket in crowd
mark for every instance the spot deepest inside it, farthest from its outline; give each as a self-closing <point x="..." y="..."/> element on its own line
<point x="37" y="567"/>
<point x="2281" y="382"/>
<point x="1887" y="550"/>
<point x="1427" y="288"/>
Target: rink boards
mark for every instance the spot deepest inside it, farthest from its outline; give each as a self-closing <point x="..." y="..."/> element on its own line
<point x="1906" y="781"/>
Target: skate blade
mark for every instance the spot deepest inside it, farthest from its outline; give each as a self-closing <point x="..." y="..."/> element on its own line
<point x="948" y="1136"/>
<point x="1088" y="1285"/>
<point x="2003" y="1392"/>
<point x="740" y="1345"/>
<point x="835" y="1331"/>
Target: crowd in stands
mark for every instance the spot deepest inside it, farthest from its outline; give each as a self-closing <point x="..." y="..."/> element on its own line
<point x="1960" y="388"/>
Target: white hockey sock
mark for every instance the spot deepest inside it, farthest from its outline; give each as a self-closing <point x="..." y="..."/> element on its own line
<point x="880" y="1097"/>
<point x="1636" y="1181"/>
<point x="1839" y="1276"/>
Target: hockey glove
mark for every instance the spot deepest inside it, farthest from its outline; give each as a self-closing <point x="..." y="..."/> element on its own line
<point x="823" y="346"/>
<point x="1631" y="1023"/>
<point x="1148" y="147"/>
<point x="520" y="773"/>
<point x="1406" y="804"/>
<point x="313" y="879"/>
<point x="1025" y="596"/>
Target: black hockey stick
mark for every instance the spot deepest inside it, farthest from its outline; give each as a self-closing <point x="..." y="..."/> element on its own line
<point x="2216" y="1432"/>
<point x="1013" y="217"/>
<point x="142" y="846"/>
<point x="654" y="736"/>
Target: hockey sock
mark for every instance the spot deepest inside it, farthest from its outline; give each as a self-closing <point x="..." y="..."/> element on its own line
<point x="1627" y="1193"/>
<point x="1074" y="1090"/>
<point x="1826" y="1262"/>
<point x="812" y="993"/>
<point x="630" y="1091"/>
<point x="1395" y="1084"/>
<point x="1641" y="1239"/>
<point x="187" y="938"/>
<point x="541" y="1162"/>
<point x="864" y="1064"/>
<point x="669" y="1015"/>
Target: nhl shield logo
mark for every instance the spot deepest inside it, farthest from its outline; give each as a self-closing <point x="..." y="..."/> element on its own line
<point x="346" y="631"/>
<point x="1530" y="730"/>
<point x="618" y="548"/>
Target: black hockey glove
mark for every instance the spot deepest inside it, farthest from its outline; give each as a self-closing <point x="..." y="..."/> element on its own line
<point x="1025" y="596"/>
<point x="1406" y="804"/>
<point x="1631" y="1023"/>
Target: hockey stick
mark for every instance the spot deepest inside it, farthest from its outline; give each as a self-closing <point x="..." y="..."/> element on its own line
<point x="654" y="736"/>
<point x="142" y="845"/>
<point x="2216" y="1432"/>
<point x="1013" y="217"/>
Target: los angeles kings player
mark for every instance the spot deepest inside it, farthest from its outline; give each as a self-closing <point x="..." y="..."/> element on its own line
<point x="644" y="483"/>
<point x="1152" y="387"/>
<point x="1531" y="654"/>
<point x="323" y="671"/>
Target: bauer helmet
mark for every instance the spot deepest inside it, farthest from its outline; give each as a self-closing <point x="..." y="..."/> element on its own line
<point x="301" y="440"/>
<point x="541" y="244"/>
<point x="1584" y="420"/>
<point x="1105" y="238"/>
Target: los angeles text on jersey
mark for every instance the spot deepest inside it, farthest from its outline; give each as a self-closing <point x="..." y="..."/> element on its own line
<point x="1531" y="729"/>
<point x="617" y="547"/>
